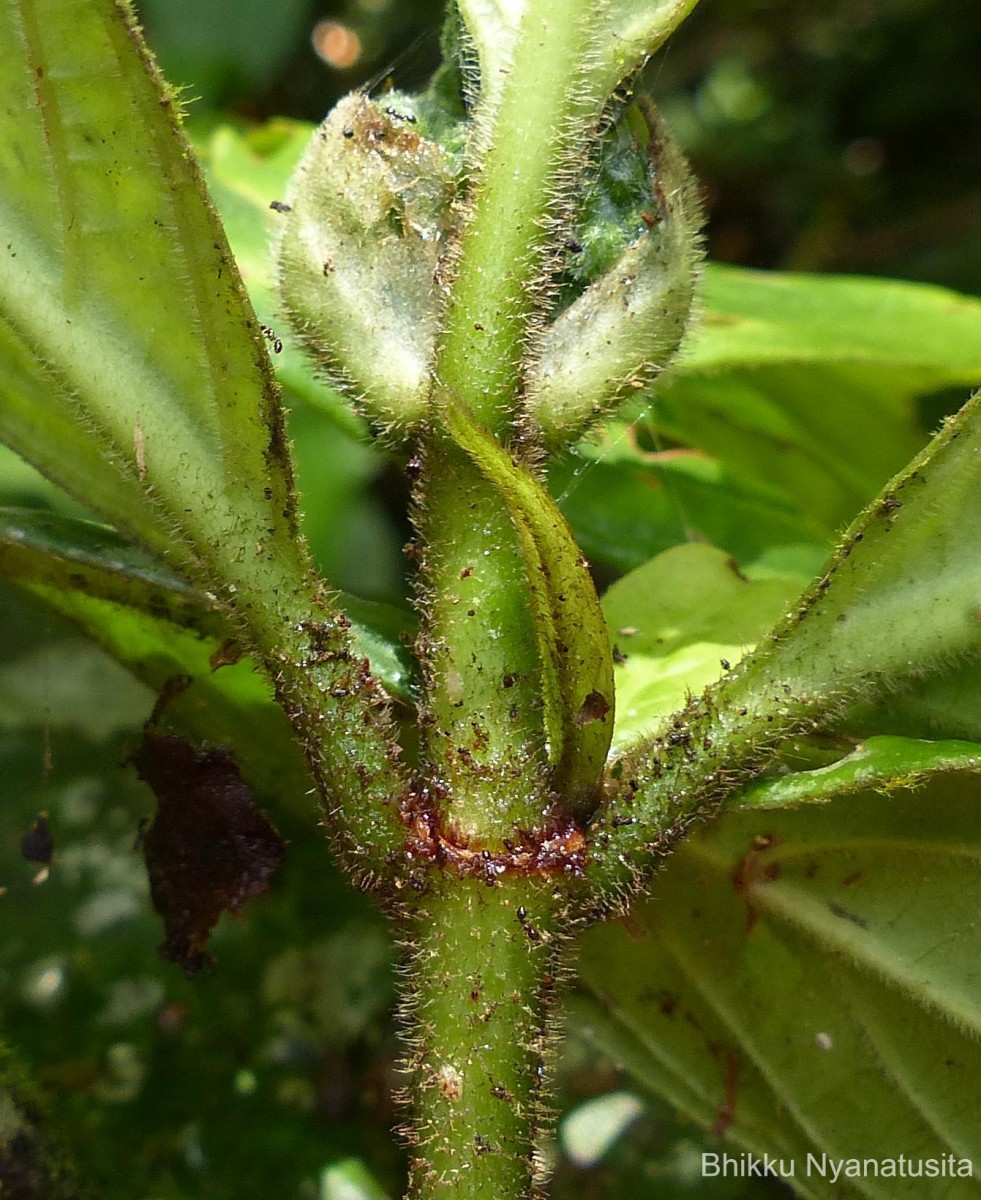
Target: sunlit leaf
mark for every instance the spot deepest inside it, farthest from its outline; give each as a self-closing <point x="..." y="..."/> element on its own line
<point x="134" y="371"/>
<point x="930" y="335"/>
<point x="887" y="762"/>
<point x="678" y="623"/>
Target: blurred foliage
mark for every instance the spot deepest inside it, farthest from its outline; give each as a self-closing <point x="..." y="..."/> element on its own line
<point x="828" y="135"/>
<point x="834" y="134"/>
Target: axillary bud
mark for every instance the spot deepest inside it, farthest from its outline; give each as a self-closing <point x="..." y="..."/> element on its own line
<point x="369" y="211"/>
<point x="628" y="322"/>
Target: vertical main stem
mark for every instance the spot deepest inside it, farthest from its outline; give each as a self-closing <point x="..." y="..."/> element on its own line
<point x="484" y="737"/>
<point x="526" y="142"/>
<point x="482" y="977"/>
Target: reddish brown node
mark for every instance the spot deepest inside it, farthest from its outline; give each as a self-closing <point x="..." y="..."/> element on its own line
<point x="559" y="849"/>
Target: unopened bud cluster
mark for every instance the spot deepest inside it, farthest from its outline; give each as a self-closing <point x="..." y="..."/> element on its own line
<point x="366" y="257"/>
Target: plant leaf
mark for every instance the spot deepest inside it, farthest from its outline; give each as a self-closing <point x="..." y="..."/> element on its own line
<point x="805" y="382"/>
<point x="801" y="390"/>
<point x="820" y="439"/>
<point x="678" y="621"/>
<point x="806" y="980"/>
<point x="128" y="324"/>
<point x="147" y="616"/>
<point x="692" y="593"/>
<point x="929" y="335"/>
<point x="898" y="603"/>
<point x="135" y="374"/>
<point x="886" y="762"/>
<point x="901" y="597"/>
<point x="627" y="504"/>
<point x="947" y="706"/>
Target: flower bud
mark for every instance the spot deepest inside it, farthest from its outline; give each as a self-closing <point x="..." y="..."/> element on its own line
<point x="618" y="333"/>
<point x="369" y="210"/>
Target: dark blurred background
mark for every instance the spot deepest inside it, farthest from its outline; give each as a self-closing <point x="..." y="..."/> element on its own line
<point x="829" y="135"/>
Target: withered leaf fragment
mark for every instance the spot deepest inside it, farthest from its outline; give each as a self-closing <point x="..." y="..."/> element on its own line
<point x="209" y="848"/>
<point x="37" y="845"/>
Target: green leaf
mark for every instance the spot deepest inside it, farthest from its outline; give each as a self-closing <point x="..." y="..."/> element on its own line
<point x="134" y="372"/>
<point x="802" y="387"/>
<point x="693" y="593"/>
<point x="947" y="706"/>
<point x="148" y="617"/>
<point x="806" y="981"/>
<point x="886" y="762"/>
<point x="818" y="439"/>
<point x="900" y="598"/>
<point x="648" y="690"/>
<point x="48" y="549"/>
<point x="626" y="504"/>
<point x="150" y="621"/>
<point x="140" y="381"/>
<point x="898" y="603"/>
<point x="676" y="622"/>
<point x="929" y="335"/>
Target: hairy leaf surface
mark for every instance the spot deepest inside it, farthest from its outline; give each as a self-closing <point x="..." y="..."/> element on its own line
<point x="134" y="371"/>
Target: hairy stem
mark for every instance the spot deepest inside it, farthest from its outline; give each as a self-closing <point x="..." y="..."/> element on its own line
<point x="484" y="736"/>
<point x="341" y="718"/>
<point x="525" y="141"/>
<point x="482" y="977"/>
<point x="898" y="600"/>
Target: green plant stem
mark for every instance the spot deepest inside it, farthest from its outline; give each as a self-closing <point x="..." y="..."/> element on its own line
<point x="482" y="977"/>
<point x="525" y="140"/>
<point x="484" y="729"/>
<point x="869" y="627"/>
<point x="687" y="772"/>
<point x="340" y="716"/>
